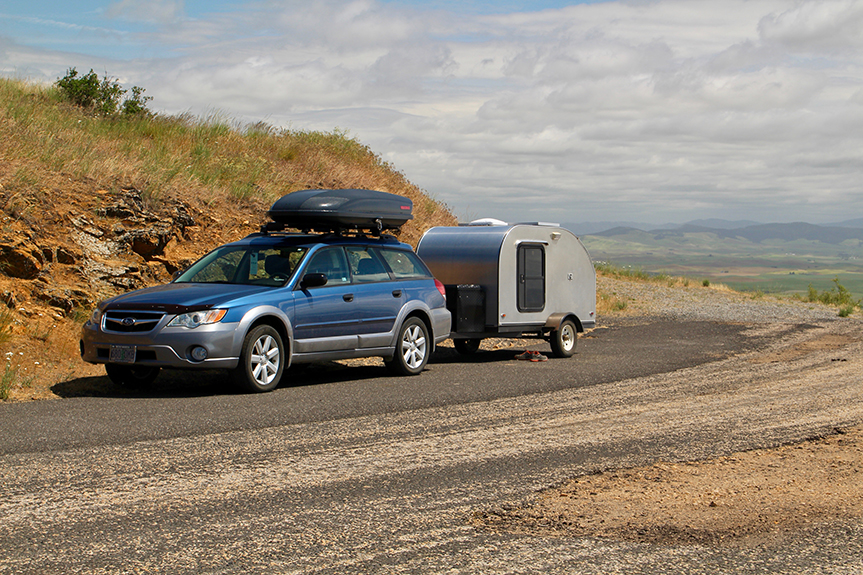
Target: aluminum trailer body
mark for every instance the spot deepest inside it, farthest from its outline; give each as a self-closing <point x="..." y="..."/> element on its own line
<point x="513" y="280"/>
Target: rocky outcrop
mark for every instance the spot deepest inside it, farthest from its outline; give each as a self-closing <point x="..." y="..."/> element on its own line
<point x="119" y="246"/>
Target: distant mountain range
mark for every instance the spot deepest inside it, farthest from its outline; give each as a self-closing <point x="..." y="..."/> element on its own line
<point x="833" y="233"/>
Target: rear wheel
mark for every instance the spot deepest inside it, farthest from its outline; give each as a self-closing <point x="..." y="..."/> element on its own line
<point x="131" y="376"/>
<point x="261" y="361"/>
<point x="467" y="346"/>
<point x="412" y="348"/>
<point x="563" y="339"/>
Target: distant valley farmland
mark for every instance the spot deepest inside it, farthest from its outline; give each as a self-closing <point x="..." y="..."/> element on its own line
<point x="770" y="258"/>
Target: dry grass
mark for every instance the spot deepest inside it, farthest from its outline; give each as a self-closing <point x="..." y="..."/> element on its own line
<point x="209" y="160"/>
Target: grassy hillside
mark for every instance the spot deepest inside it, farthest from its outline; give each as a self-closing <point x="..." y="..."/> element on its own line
<point x="207" y="160"/>
<point x="94" y="205"/>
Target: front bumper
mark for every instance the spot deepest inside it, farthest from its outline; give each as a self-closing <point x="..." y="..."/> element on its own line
<point x="166" y="346"/>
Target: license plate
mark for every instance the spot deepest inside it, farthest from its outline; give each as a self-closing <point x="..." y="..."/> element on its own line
<point x="122" y="353"/>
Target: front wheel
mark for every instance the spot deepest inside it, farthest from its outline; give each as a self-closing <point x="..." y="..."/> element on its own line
<point x="129" y="376"/>
<point x="412" y="348"/>
<point x="563" y="339"/>
<point x="261" y="361"/>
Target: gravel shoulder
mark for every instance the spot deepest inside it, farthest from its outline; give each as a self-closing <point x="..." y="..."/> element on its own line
<point x="752" y="498"/>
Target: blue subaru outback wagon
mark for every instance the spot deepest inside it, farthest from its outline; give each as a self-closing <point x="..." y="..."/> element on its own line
<point x="259" y="305"/>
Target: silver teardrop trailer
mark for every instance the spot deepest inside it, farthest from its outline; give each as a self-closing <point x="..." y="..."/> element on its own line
<point x="513" y="280"/>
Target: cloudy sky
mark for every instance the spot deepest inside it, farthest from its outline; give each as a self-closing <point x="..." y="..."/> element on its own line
<point x="643" y="110"/>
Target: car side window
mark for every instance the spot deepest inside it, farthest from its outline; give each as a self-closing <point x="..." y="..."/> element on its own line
<point x="366" y="267"/>
<point x="404" y="265"/>
<point x="332" y="262"/>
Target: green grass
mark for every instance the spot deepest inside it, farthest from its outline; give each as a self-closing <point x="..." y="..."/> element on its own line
<point x="7" y="380"/>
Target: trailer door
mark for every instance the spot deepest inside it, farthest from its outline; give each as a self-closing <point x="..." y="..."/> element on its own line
<point x="531" y="277"/>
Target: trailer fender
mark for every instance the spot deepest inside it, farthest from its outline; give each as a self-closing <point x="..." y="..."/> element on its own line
<point x="554" y="320"/>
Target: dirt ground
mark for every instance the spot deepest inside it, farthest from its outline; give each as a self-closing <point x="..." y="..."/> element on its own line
<point x="751" y="498"/>
<point x="761" y="497"/>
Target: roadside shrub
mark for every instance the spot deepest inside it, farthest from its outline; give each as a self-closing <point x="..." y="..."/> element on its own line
<point x="838" y="295"/>
<point x="706" y="283"/>
<point x="847" y="310"/>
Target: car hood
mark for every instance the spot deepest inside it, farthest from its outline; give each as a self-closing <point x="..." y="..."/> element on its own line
<point x="183" y="297"/>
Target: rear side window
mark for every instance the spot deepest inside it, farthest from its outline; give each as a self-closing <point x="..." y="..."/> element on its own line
<point x="405" y="265"/>
<point x="365" y="266"/>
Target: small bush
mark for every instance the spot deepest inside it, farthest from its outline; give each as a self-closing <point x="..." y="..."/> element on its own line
<point x="103" y="96"/>
<point x="846" y="310"/>
<point x="137" y="104"/>
<point x="706" y="283"/>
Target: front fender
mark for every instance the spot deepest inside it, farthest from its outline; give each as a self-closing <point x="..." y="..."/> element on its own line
<point x="265" y="314"/>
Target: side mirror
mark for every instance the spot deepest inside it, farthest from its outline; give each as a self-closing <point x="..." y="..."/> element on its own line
<point x="313" y="280"/>
<point x="177" y="274"/>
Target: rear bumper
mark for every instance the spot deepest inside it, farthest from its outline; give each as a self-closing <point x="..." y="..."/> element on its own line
<point x="441" y="324"/>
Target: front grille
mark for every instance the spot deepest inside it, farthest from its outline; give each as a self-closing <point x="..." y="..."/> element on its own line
<point x="122" y="321"/>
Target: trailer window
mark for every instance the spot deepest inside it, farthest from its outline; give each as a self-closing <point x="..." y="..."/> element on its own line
<point x="531" y="277"/>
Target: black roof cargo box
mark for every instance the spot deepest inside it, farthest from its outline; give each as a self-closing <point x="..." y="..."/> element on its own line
<point x="335" y="210"/>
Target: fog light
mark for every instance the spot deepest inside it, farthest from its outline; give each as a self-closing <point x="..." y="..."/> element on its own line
<point x="199" y="353"/>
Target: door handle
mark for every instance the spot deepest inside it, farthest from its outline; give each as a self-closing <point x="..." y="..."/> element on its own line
<point x="348" y="297"/>
<point x="397" y="293"/>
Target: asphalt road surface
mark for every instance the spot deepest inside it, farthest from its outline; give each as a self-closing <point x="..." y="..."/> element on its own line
<point x="348" y="470"/>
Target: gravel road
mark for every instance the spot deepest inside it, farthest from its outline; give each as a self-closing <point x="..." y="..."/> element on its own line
<point x="405" y="492"/>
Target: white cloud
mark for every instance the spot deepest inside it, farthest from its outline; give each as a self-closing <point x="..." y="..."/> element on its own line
<point x="670" y="109"/>
<point x="152" y="11"/>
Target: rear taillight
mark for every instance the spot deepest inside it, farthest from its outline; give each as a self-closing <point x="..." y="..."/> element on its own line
<point x="440" y="287"/>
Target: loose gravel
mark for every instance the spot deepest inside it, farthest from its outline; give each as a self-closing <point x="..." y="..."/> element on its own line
<point x="700" y="303"/>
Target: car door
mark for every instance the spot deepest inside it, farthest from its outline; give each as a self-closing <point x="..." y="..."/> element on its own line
<point x="379" y="298"/>
<point x="326" y="317"/>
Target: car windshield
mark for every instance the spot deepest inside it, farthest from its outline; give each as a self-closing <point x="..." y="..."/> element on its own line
<point x="253" y="265"/>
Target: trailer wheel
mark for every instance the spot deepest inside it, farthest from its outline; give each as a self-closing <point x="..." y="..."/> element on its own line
<point x="412" y="348"/>
<point x="467" y="346"/>
<point x="563" y="339"/>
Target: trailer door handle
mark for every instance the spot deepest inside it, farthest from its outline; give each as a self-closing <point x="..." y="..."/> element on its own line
<point x="348" y="297"/>
<point x="397" y="293"/>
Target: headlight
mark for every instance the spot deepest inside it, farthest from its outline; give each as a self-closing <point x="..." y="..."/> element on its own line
<point x="96" y="316"/>
<point x="196" y="318"/>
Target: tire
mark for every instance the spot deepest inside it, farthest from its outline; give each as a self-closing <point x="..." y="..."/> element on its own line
<point x="412" y="348"/>
<point x="262" y="361"/>
<point x="129" y="376"/>
<point x="563" y="340"/>
<point x="467" y="346"/>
